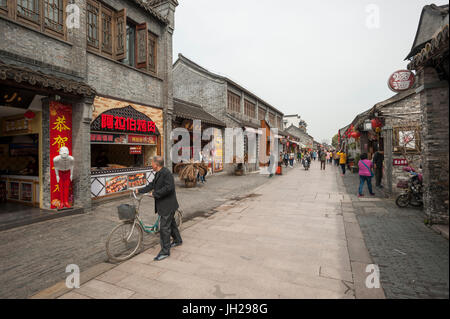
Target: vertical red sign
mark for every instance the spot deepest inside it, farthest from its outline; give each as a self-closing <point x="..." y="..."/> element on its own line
<point x="60" y="135"/>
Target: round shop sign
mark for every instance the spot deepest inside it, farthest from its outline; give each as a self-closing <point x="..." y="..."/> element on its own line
<point x="401" y="80"/>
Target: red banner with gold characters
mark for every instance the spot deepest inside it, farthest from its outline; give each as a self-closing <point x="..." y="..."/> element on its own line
<point x="60" y="135"/>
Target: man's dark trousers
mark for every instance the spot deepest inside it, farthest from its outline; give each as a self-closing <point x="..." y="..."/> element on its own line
<point x="378" y="175"/>
<point x="168" y="228"/>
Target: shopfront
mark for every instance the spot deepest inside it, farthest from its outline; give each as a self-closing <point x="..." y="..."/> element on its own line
<point x="39" y="114"/>
<point x="20" y="135"/>
<point x="124" y="138"/>
<point x="185" y="113"/>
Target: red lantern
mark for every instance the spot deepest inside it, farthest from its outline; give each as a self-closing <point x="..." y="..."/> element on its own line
<point x="29" y="114"/>
<point x="355" y="134"/>
<point x="376" y="122"/>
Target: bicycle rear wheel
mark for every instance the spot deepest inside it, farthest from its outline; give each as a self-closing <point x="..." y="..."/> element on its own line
<point x="178" y="217"/>
<point x="124" y="241"/>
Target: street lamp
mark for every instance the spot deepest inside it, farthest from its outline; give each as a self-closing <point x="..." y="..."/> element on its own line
<point x="367" y="125"/>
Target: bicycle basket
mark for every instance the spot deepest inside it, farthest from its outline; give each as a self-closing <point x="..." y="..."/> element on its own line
<point x="126" y="212"/>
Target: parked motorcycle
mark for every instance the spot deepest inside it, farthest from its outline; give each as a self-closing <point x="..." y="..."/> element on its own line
<point x="413" y="194"/>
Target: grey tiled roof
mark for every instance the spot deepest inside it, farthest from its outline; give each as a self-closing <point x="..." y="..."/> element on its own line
<point x="192" y="111"/>
<point x="147" y="5"/>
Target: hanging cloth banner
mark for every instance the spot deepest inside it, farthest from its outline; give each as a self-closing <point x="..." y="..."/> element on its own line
<point x="60" y="135"/>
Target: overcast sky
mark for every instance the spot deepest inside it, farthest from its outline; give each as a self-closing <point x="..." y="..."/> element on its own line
<point x="324" y="60"/>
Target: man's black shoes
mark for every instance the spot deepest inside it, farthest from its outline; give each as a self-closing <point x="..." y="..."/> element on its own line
<point x="175" y="244"/>
<point x="160" y="257"/>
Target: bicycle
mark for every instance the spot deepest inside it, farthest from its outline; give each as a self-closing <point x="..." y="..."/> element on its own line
<point x="125" y="239"/>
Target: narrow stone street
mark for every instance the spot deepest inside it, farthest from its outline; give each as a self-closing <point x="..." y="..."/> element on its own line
<point x="412" y="258"/>
<point x="35" y="257"/>
<point x="290" y="239"/>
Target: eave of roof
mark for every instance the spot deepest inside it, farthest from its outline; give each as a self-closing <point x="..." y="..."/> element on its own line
<point x="437" y="10"/>
<point x="39" y="80"/>
<point x="148" y="6"/>
<point x="223" y="78"/>
<point x="193" y="111"/>
<point x="437" y="45"/>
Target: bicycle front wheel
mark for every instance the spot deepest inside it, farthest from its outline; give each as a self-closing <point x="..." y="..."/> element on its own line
<point x="124" y="241"/>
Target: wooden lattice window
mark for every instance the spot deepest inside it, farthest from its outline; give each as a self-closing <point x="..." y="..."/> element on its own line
<point x="272" y="119"/>
<point x="279" y="123"/>
<point x="234" y="102"/>
<point x="261" y="113"/>
<point x="107" y="31"/>
<point x="4" y="5"/>
<point x="120" y="24"/>
<point x="142" y="46"/>
<point x="152" y="41"/>
<point x="92" y="24"/>
<point x="28" y="9"/>
<point x="406" y="139"/>
<point x="249" y="109"/>
<point x="54" y="15"/>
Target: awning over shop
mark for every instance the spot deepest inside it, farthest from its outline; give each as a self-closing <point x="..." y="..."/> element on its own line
<point x="17" y="75"/>
<point x="192" y="111"/>
<point x="253" y="130"/>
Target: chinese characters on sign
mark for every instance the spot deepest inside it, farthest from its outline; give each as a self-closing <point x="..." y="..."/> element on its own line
<point x="400" y="162"/>
<point x="135" y="149"/>
<point x="401" y="80"/>
<point x="139" y="139"/>
<point x="120" y="123"/>
<point x="60" y="135"/>
<point x="16" y="125"/>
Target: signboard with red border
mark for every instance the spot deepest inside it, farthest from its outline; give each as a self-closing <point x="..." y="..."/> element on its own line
<point x="142" y="139"/>
<point x="135" y="150"/>
<point x="400" y="162"/>
<point x="401" y="80"/>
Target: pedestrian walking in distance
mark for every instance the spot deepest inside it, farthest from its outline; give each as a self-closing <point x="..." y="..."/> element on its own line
<point x="365" y="174"/>
<point x="286" y="159"/>
<point x="162" y="188"/>
<point x="378" y="159"/>
<point x="272" y="164"/>
<point x="342" y="161"/>
<point x="323" y="158"/>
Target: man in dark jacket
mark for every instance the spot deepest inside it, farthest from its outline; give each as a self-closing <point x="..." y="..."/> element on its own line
<point x="162" y="188"/>
<point x="378" y="159"/>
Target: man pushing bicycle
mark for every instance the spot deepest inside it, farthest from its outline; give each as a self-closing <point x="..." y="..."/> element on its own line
<point x="162" y="188"/>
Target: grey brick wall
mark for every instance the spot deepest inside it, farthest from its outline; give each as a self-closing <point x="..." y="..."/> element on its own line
<point x="435" y="130"/>
<point x="405" y="112"/>
<point x="68" y="58"/>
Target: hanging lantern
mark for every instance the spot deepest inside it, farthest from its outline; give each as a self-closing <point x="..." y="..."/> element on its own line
<point x="29" y="114"/>
<point x="376" y="122"/>
<point x="355" y="134"/>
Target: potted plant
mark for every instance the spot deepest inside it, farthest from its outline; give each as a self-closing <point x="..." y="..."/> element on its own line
<point x="188" y="172"/>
